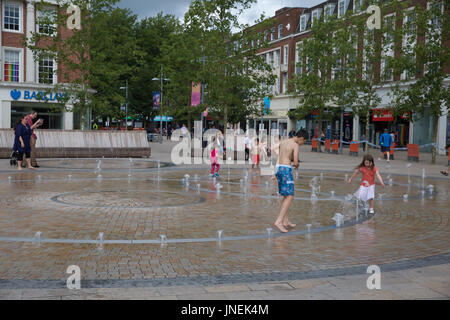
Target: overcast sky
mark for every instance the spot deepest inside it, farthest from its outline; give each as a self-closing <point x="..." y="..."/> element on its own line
<point x="148" y="8"/>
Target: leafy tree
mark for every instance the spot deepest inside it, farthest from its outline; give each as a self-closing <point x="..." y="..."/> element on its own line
<point x="314" y="84"/>
<point x="152" y="35"/>
<point x="424" y="66"/>
<point x="116" y="58"/>
<point x="70" y="48"/>
<point x="236" y="77"/>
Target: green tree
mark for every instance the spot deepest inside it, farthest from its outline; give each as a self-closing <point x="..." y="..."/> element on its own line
<point x="425" y="65"/>
<point x="71" y="49"/>
<point x="152" y="35"/>
<point x="116" y="57"/>
<point x="314" y="84"/>
<point x="236" y="77"/>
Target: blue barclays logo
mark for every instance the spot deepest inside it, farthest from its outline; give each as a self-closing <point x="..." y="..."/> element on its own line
<point x="39" y="96"/>
<point x="16" y="94"/>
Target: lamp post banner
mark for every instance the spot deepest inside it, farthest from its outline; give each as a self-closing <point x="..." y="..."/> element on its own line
<point x="196" y="94"/>
<point x="156" y="100"/>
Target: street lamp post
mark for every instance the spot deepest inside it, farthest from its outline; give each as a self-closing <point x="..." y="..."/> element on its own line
<point x="161" y="104"/>
<point x="126" y="104"/>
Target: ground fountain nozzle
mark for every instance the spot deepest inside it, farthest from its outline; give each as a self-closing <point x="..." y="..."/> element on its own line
<point x="37" y="237"/>
<point x="339" y="219"/>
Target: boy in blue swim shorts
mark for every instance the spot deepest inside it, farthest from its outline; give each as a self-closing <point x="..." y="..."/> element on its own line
<point x="287" y="160"/>
<point x="285" y="180"/>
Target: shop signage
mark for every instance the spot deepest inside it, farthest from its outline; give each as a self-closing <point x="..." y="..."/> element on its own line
<point x="38" y="95"/>
<point x="382" y="115"/>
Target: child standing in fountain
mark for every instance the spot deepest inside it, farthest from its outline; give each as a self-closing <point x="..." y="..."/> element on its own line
<point x="215" y="166"/>
<point x="366" y="191"/>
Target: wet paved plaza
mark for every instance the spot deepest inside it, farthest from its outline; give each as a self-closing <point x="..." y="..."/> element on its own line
<point x="129" y="224"/>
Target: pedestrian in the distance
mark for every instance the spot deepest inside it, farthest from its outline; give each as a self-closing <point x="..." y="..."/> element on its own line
<point x="386" y="143"/>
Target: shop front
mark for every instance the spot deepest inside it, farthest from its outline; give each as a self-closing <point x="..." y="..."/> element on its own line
<point x="20" y="100"/>
<point x="381" y="119"/>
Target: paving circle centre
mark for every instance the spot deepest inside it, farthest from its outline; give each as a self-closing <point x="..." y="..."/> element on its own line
<point x="143" y="220"/>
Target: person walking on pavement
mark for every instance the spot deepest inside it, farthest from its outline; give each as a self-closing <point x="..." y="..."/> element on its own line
<point x="386" y="143"/>
<point x="30" y="119"/>
<point x="22" y="141"/>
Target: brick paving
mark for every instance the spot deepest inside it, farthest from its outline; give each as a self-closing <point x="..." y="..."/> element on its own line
<point x="408" y="239"/>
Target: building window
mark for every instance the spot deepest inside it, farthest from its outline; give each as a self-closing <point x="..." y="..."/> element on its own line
<point x="285" y="82"/>
<point x="303" y="21"/>
<point x="45" y="21"/>
<point x="341" y="8"/>
<point x="11" y="16"/>
<point x="298" y="59"/>
<point x="280" y="31"/>
<point x="329" y="9"/>
<point x="266" y="33"/>
<point x="46" y="69"/>
<point x="286" y="55"/>
<point x="409" y="42"/>
<point x="278" y="58"/>
<point x="11" y="66"/>
<point x="316" y="15"/>
<point x="272" y="34"/>
<point x="271" y="61"/>
<point x="357" y="5"/>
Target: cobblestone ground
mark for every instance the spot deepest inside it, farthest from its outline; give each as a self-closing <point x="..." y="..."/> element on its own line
<point x="133" y="203"/>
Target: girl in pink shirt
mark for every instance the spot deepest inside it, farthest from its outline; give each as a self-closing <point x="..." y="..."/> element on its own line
<point x="366" y="191"/>
<point x="214" y="162"/>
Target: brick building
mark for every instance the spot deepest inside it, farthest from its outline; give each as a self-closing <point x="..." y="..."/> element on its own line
<point x="23" y="78"/>
<point x="293" y="25"/>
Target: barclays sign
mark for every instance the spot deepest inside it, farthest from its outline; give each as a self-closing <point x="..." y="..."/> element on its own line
<point x="38" y="95"/>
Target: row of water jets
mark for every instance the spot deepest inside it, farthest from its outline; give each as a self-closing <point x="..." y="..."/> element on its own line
<point x="37" y="239"/>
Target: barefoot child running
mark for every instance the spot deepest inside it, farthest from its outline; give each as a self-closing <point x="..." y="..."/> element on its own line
<point x="366" y="191"/>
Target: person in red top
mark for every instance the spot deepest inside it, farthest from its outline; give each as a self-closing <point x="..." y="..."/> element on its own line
<point x="30" y="118"/>
<point x="366" y="191"/>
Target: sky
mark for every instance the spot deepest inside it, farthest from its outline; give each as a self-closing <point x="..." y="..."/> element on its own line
<point x="149" y="8"/>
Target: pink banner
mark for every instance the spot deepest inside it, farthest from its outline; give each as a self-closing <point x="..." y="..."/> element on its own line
<point x="196" y="94"/>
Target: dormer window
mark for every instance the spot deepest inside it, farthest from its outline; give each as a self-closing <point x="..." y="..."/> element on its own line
<point x="316" y="15"/>
<point x="329" y="9"/>
<point x="357" y="6"/>
<point x="280" y="31"/>
<point x="304" y="21"/>
<point x="341" y="8"/>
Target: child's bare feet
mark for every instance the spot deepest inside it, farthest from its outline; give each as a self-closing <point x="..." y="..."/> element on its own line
<point x="280" y="227"/>
<point x="31" y="167"/>
<point x="19" y="168"/>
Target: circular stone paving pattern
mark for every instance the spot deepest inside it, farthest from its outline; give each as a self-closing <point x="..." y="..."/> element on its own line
<point x="153" y="224"/>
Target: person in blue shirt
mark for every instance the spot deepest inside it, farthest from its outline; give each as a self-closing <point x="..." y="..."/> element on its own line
<point x="386" y="143"/>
